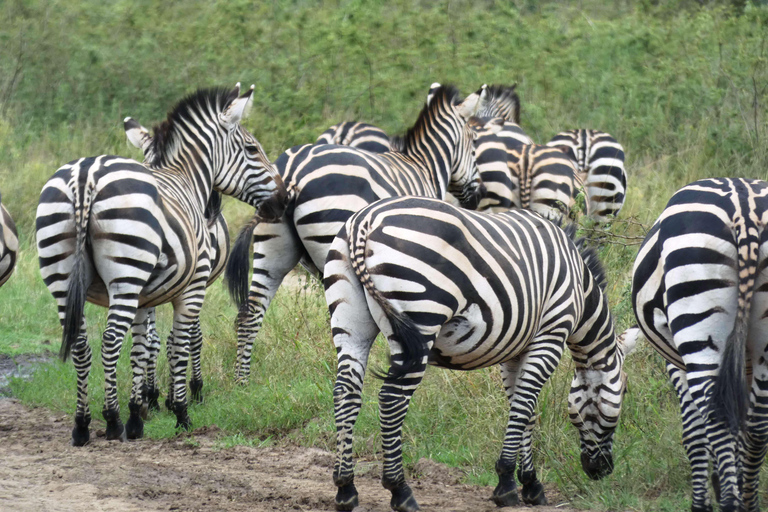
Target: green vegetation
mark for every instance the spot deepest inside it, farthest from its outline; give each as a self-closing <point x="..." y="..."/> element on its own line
<point x="682" y="87"/>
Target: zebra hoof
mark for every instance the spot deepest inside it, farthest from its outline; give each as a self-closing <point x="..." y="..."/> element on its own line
<point x="115" y="428"/>
<point x="169" y="403"/>
<point x="196" y="390"/>
<point x="134" y="429"/>
<point x="346" y="497"/>
<point x="80" y="434"/>
<point x="182" y="418"/>
<point x="153" y="395"/>
<point x="533" y="494"/>
<point x="701" y="508"/>
<point x="403" y="500"/>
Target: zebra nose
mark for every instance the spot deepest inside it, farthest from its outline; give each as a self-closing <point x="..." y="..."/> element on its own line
<point x="473" y="198"/>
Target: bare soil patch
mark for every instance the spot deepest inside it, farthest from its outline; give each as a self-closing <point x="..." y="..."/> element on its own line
<point x="41" y="471"/>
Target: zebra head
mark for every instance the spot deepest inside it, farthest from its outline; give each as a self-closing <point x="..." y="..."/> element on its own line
<point x="205" y="129"/>
<point x="599" y="381"/>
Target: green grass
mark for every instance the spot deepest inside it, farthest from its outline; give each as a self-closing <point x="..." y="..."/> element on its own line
<point x="682" y="87"/>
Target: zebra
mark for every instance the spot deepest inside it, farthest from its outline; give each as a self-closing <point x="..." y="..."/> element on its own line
<point x="329" y="183"/>
<point x="218" y="230"/>
<point x="467" y="290"/>
<point x="9" y="244"/>
<point x="130" y="237"/>
<point x="699" y="294"/>
<point x="357" y="135"/>
<point x="600" y="166"/>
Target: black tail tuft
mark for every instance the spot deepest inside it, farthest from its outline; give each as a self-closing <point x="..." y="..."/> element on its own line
<point x="77" y="291"/>
<point x="730" y="392"/>
<point x="238" y="265"/>
<point x="412" y="342"/>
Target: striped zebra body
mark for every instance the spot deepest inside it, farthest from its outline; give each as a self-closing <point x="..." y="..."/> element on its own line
<point x="129" y="237"/>
<point x="468" y="290"/>
<point x="699" y="293"/>
<point x="600" y="166"/>
<point x="357" y="135"/>
<point x="9" y="244"/>
<point x="329" y="183"/>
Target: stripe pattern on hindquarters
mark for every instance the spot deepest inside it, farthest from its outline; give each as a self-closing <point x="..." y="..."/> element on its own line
<point x="467" y="290"/>
<point x="329" y="183"/>
<point x="600" y="166"/>
<point x="357" y="135"/>
<point x="129" y="237"/>
<point x="699" y="295"/>
<point x="9" y="244"/>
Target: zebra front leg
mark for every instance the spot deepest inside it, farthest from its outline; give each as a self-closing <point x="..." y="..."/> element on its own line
<point x="150" y="390"/>
<point x="694" y="441"/>
<point x="140" y="356"/>
<point x="195" y="349"/>
<point x="276" y="250"/>
<point x="81" y="357"/>
<point x="523" y="379"/>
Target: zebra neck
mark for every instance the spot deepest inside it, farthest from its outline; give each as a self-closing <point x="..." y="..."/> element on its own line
<point x="198" y="186"/>
<point x="431" y="153"/>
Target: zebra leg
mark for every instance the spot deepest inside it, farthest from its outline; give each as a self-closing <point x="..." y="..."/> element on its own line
<point x="151" y="391"/>
<point x="81" y="357"/>
<point x="533" y="490"/>
<point x="195" y="349"/>
<point x="276" y="250"/>
<point x="756" y="436"/>
<point x="134" y="428"/>
<point x="168" y="351"/>
<point x="354" y="332"/>
<point x="119" y="320"/>
<point x="694" y="441"/>
<point x="523" y="379"/>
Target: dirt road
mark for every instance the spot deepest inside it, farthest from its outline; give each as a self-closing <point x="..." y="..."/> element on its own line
<point x="39" y="471"/>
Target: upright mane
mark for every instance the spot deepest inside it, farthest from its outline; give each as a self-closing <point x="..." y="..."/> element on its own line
<point x="504" y="102"/>
<point x="206" y="103"/>
<point x="444" y="97"/>
<point x="589" y="255"/>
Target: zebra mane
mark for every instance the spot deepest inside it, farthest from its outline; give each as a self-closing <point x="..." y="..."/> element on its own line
<point x="213" y="208"/>
<point x="443" y="96"/>
<point x="203" y="102"/>
<point x="589" y="255"/>
<point x="504" y="102"/>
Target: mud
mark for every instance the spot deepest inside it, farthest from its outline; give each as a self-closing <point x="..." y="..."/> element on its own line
<point x="19" y="366"/>
<point x="41" y="471"/>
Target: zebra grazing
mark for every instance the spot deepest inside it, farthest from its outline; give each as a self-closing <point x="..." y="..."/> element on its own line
<point x="467" y="290"/>
<point x="130" y="237"/>
<point x="699" y="291"/>
<point x="218" y="230"/>
<point x="329" y="183"/>
<point x="9" y="244"/>
<point x="600" y="162"/>
<point x="357" y="135"/>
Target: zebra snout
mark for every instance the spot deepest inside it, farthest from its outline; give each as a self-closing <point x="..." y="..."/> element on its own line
<point x="473" y="198"/>
<point x="598" y="467"/>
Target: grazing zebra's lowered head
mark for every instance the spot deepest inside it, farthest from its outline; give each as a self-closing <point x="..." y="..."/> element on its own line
<point x="243" y="169"/>
<point x="9" y="244"/>
<point x="504" y="102"/>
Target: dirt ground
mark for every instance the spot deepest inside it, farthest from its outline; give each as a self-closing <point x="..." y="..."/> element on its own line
<point x="39" y="470"/>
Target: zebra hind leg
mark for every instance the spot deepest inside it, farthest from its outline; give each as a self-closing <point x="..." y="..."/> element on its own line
<point x="140" y="356"/>
<point x="150" y="391"/>
<point x="195" y="350"/>
<point x="81" y="357"/>
<point x="533" y="490"/>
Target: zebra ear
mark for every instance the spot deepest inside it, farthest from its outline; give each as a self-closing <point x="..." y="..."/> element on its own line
<point x="473" y="103"/>
<point x="627" y="341"/>
<point x="236" y="110"/>
<point x="495" y="125"/>
<point x="432" y="90"/>
<point x="137" y="135"/>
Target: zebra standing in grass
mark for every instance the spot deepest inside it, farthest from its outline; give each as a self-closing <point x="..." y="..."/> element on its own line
<point x="329" y="183"/>
<point x="9" y="244"/>
<point x="600" y="166"/>
<point x="700" y="294"/>
<point x="130" y="237"/>
<point x="357" y="135"/>
<point x="218" y="230"/>
<point x="467" y="290"/>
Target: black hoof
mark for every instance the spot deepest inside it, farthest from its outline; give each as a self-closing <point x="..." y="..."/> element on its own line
<point x="701" y="508"/>
<point x="346" y="497"/>
<point x="134" y="429"/>
<point x="403" y="500"/>
<point x="533" y="494"/>
<point x="80" y="434"/>
<point x="152" y="399"/>
<point x="505" y="493"/>
<point x="182" y="418"/>
<point x="508" y="499"/>
<point x="168" y="403"/>
<point x="196" y="390"/>
<point x="115" y="428"/>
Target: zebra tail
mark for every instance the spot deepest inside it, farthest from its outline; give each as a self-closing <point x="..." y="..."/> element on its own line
<point x="404" y="330"/>
<point x="730" y="394"/>
<point x="77" y="288"/>
<point x="238" y="265"/>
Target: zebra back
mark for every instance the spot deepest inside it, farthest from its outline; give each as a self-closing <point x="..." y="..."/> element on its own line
<point x="599" y="161"/>
<point x="357" y="135"/>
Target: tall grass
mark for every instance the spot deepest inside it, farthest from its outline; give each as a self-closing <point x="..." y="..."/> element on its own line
<point x="682" y="87"/>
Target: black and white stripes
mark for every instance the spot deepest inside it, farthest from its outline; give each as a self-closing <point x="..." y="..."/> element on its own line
<point x="467" y="290"/>
<point x="9" y="244"/>
<point x="129" y="237"/>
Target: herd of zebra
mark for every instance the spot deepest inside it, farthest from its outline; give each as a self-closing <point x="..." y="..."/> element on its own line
<point x="388" y="225"/>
